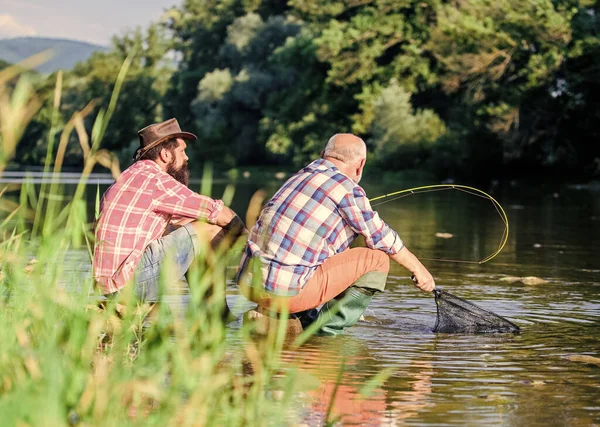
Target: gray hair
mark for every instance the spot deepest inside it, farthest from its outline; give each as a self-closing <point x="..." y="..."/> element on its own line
<point x="347" y="155"/>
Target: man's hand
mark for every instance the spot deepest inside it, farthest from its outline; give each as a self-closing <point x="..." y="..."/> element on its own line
<point x="423" y="280"/>
<point x="225" y="217"/>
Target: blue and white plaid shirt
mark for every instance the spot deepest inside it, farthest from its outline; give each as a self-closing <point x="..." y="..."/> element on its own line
<point x="316" y="214"/>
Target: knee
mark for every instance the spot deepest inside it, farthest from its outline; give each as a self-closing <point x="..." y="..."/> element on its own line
<point x="205" y="230"/>
<point x="377" y="260"/>
<point x="380" y="261"/>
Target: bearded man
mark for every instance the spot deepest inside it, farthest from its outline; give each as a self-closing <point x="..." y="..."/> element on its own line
<point x="149" y="216"/>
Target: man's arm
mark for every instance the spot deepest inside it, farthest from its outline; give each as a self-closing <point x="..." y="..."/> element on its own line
<point x="422" y="277"/>
<point x="360" y="216"/>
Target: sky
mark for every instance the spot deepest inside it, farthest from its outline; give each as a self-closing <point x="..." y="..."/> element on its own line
<point x="94" y="21"/>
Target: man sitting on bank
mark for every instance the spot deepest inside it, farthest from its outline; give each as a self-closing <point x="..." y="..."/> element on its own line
<point x="149" y="215"/>
<point x="299" y="246"/>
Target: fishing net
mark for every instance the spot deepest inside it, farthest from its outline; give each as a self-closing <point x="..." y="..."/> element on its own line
<point x="456" y="315"/>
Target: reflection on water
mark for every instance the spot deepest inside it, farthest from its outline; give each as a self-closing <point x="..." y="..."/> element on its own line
<point x="441" y="379"/>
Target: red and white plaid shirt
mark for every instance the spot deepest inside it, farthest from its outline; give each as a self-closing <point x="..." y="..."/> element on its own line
<point x="316" y="214"/>
<point x="137" y="210"/>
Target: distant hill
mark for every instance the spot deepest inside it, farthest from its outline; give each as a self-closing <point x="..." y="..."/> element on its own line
<point x="66" y="52"/>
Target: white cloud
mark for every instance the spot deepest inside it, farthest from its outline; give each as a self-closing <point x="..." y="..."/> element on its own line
<point x="10" y="27"/>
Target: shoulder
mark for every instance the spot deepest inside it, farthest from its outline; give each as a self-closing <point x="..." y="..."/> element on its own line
<point x="142" y="176"/>
<point x="329" y="179"/>
<point x="323" y="169"/>
<point x="145" y="168"/>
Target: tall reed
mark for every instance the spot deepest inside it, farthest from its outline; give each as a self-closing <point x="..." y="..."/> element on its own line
<point x="64" y="361"/>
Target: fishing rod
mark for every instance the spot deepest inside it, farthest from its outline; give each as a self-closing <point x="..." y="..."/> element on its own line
<point x="386" y="198"/>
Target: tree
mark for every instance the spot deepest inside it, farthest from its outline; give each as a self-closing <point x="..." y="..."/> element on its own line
<point x="403" y="136"/>
<point x="198" y="29"/>
<point x="560" y="120"/>
<point x="490" y="55"/>
<point x="93" y="80"/>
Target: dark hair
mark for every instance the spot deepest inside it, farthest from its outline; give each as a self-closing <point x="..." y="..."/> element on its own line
<point x="152" y="154"/>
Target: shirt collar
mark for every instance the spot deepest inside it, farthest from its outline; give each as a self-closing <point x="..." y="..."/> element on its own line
<point x="149" y="163"/>
<point x="321" y="165"/>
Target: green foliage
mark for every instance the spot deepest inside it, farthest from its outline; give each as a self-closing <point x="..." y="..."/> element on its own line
<point x="266" y="82"/>
<point x="93" y="80"/>
<point x="562" y="117"/>
<point x="231" y="100"/>
<point x="483" y="44"/>
<point x="403" y="136"/>
<point x="65" y="360"/>
<point x="492" y="60"/>
<point x="4" y="64"/>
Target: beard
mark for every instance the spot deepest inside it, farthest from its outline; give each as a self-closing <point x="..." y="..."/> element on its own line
<point x="181" y="174"/>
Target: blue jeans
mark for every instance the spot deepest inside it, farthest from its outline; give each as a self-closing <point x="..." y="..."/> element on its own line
<point x="178" y="248"/>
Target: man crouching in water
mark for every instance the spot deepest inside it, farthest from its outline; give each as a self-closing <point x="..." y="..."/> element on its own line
<point x="300" y="244"/>
<point x="149" y="216"/>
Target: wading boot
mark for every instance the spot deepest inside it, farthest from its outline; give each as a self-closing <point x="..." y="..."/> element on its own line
<point x="345" y="309"/>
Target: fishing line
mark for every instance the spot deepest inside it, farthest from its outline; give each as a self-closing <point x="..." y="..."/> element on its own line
<point x="390" y="197"/>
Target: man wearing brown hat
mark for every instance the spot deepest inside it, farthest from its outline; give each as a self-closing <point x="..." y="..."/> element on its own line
<point x="134" y="233"/>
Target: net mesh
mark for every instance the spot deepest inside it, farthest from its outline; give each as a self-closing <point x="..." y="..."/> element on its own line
<point x="456" y="315"/>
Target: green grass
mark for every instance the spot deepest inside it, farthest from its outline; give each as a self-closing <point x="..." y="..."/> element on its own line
<point x="62" y="359"/>
<point x="65" y="361"/>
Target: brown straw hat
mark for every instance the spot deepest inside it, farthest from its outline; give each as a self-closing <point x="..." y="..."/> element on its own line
<point x="154" y="134"/>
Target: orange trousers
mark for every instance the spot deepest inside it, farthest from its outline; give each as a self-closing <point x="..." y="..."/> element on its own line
<point x="330" y="279"/>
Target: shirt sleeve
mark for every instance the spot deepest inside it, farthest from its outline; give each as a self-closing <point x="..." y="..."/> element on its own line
<point x="173" y="198"/>
<point x="360" y="216"/>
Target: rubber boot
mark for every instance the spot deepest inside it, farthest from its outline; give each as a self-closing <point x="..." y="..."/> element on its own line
<point x="345" y="309"/>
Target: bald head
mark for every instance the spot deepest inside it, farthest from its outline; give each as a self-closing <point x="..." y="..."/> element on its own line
<point x="348" y="152"/>
<point x="346" y="148"/>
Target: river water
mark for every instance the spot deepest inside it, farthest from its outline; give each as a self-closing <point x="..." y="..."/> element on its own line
<point x="537" y="378"/>
<point x="529" y="379"/>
